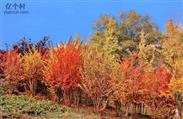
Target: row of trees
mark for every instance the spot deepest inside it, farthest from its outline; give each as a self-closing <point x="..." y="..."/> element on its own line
<point x="128" y="63"/>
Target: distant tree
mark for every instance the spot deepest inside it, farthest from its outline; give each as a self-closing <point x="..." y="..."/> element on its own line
<point x="23" y="46"/>
<point x="149" y="54"/>
<point x="107" y="35"/>
<point x="124" y="34"/>
<point x="43" y="45"/>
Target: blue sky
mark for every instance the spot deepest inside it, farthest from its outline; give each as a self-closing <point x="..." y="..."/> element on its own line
<point x="60" y="19"/>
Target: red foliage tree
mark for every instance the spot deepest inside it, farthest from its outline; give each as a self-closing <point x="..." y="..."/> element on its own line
<point x="156" y="94"/>
<point x="158" y="80"/>
<point x="2" y="56"/>
<point x="62" y="69"/>
<point x="12" y="68"/>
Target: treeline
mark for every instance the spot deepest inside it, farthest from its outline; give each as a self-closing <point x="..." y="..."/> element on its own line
<point x="127" y="63"/>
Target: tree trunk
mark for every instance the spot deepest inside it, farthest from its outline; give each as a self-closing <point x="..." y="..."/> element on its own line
<point x="59" y="95"/>
<point x="176" y="115"/>
<point x="77" y="96"/>
<point x="66" y="96"/>
<point x="97" y="104"/>
<point x="126" y="110"/>
<point x="33" y="86"/>
<point x="117" y="106"/>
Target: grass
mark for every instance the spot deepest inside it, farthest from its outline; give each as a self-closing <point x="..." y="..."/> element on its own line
<point x="3" y="89"/>
<point x="25" y="107"/>
<point x="73" y="113"/>
<point x="17" y="107"/>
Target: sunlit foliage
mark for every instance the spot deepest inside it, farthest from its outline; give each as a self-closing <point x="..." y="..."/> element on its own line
<point x="62" y="69"/>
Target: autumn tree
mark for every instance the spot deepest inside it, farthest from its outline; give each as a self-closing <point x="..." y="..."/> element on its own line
<point x="25" y="45"/>
<point x="148" y="54"/>
<point x="12" y="69"/>
<point x="144" y="87"/>
<point x="32" y="66"/>
<point x="173" y="53"/>
<point x="61" y="71"/>
<point x="43" y="45"/>
<point x="107" y="35"/>
<point x="2" y="56"/>
<point x="173" y="46"/>
<point x="176" y="83"/>
<point x="105" y="45"/>
<point x="158" y="96"/>
<point x="130" y="84"/>
<point x="96" y="76"/>
<point x="124" y="32"/>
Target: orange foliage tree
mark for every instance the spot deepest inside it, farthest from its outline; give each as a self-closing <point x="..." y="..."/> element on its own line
<point x="131" y="84"/>
<point x="61" y="71"/>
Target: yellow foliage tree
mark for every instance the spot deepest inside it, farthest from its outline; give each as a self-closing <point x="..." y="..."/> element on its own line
<point x="173" y="52"/>
<point x="32" y="65"/>
<point x="176" y="84"/>
<point x="96" y="76"/>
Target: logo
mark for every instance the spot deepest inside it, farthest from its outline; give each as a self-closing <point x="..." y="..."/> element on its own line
<point x="15" y="8"/>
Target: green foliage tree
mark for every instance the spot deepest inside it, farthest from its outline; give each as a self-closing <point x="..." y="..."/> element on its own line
<point x="124" y="34"/>
<point x="106" y="37"/>
<point x="148" y="54"/>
